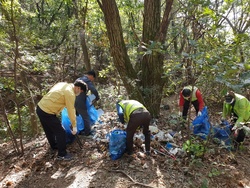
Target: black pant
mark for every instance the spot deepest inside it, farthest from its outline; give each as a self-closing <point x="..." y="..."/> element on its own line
<point x="139" y="118"/>
<point x="54" y="131"/>
<point x="81" y="108"/>
<point x="241" y="134"/>
<point x="186" y="107"/>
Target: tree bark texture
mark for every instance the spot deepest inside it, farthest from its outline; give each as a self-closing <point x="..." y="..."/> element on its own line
<point x="148" y="89"/>
<point x="31" y="104"/>
<point x="118" y="48"/>
<point x="5" y="119"/>
<point x="82" y="33"/>
<point x="154" y="30"/>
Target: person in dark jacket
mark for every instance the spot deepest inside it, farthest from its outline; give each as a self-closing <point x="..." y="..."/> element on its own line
<point x="80" y="103"/>
<point x="196" y="100"/>
<point x="136" y="115"/>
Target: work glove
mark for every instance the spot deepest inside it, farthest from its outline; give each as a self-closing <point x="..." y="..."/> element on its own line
<point x="199" y="113"/>
<point x="74" y="131"/>
<point x="234" y="128"/>
<point x="237" y="126"/>
<point x="235" y="131"/>
<point x="180" y="113"/>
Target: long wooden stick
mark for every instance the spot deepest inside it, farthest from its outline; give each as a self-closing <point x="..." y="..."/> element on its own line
<point x="131" y="179"/>
<point x="79" y="141"/>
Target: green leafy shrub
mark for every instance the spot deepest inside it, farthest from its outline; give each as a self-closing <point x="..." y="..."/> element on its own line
<point x="193" y="147"/>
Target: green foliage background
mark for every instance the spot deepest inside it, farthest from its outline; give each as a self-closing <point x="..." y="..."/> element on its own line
<point x="206" y="40"/>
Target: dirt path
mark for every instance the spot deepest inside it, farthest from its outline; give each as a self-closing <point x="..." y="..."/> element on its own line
<point x="92" y="166"/>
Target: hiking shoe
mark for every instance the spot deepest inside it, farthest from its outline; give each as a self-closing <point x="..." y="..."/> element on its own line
<point x="91" y="134"/>
<point x="81" y="132"/>
<point x="66" y="157"/>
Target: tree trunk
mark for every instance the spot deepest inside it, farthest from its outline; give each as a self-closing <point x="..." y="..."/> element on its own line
<point x="118" y="48"/>
<point x="85" y="50"/>
<point x="152" y="63"/>
<point x="30" y="103"/>
<point x="82" y="37"/>
<point x="9" y="130"/>
<point x="17" y="56"/>
<point x="147" y="89"/>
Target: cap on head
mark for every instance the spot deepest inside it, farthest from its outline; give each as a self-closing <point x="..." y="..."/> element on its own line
<point x="186" y="92"/>
<point x="81" y="84"/>
<point x="92" y="73"/>
<point x="229" y="98"/>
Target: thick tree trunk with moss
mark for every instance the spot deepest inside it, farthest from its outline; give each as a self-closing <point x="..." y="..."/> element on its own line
<point x="118" y="49"/>
<point x="148" y="88"/>
<point x="152" y="63"/>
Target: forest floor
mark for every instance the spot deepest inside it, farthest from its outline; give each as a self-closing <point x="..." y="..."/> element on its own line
<point x="93" y="167"/>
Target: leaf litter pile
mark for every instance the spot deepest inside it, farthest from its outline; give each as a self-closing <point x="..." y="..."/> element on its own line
<point x="93" y="167"/>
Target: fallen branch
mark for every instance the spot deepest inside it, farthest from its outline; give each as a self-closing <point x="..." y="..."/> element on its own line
<point x="172" y="156"/>
<point x="79" y="141"/>
<point x="131" y="179"/>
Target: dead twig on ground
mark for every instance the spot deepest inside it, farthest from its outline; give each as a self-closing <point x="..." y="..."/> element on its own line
<point x="130" y="178"/>
<point x="172" y="156"/>
<point x="79" y="141"/>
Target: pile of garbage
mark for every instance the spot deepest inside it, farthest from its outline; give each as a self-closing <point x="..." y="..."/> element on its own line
<point x="111" y="134"/>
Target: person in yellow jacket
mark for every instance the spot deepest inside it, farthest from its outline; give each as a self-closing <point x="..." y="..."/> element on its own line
<point x="136" y="115"/>
<point x="238" y="107"/>
<point x="61" y="95"/>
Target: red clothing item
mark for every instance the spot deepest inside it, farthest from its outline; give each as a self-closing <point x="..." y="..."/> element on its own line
<point x="198" y="96"/>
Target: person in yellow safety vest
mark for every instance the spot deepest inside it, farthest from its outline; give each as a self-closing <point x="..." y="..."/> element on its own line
<point x="238" y="107"/>
<point x="136" y="115"/>
<point x="196" y="100"/>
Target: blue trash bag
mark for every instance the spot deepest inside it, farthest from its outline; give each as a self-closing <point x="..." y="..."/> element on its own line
<point x="66" y="121"/>
<point x="67" y="125"/>
<point x="93" y="114"/>
<point x="79" y="123"/>
<point x="117" y="143"/>
<point x="201" y="125"/>
<point x="223" y="133"/>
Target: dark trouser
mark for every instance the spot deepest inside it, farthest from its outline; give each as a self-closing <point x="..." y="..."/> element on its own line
<point x="54" y="131"/>
<point x="186" y="107"/>
<point x="241" y="134"/>
<point x="81" y="108"/>
<point x="139" y="118"/>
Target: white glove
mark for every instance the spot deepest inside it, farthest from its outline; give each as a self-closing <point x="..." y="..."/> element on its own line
<point x="74" y="131"/>
<point x="180" y="113"/>
<point x="237" y="126"/>
<point x="234" y="128"/>
<point x="235" y="131"/>
<point x="199" y="113"/>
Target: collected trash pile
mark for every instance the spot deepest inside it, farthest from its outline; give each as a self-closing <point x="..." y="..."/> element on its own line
<point x="111" y="135"/>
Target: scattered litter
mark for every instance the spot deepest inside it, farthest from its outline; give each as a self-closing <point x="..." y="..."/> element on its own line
<point x="153" y="129"/>
<point x="58" y="174"/>
<point x="145" y="166"/>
